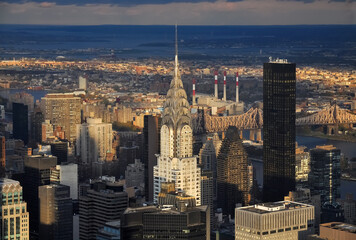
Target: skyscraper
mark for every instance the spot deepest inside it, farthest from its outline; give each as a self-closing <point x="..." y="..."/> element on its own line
<point x="176" y="162"/>
<point x="325" y="173"/>
<point x="20" y="121"/>
<point x="14" y="220"/>
<point x="37" y="119"/>
<point x="279" y="86"/>
<point x="56" y="212"/>
<point x="152" y="125"/>
<point x="37" y="173"/>
<point x="232" y="173"/>
<point x="94" y="140"/>
<point x="105" y="202"/>
<point x="63" y="110"/>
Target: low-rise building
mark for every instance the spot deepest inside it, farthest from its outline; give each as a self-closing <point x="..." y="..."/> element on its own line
<point x="278" y="220"/>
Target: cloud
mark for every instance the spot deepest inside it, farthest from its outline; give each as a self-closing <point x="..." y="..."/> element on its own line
<point x="220" y="12"/>
<point x="112" y="2"/>
<point x="47" y="4"/>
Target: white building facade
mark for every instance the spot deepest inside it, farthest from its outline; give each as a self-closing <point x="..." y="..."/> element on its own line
<point x="66" y="174"/>
<point x="280" y="220"/>
<point x="176" y="162"/>
<point x="94" y="140"/>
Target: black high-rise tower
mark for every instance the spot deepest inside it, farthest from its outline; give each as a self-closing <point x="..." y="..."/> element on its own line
<point x="279" y="88"/>
<point x="20" y="121"/>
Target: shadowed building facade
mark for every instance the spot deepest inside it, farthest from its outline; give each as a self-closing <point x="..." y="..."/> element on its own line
<point x="56" y="212"/>
<point x="37" y="173"/>
<point x="152" y="125"/>
<point x="166" y="223"/>
<point x="20" y="121"/>
<point x="104" y="202"/>
<point x="279" y="86"/>
<point x="232" y="173"/>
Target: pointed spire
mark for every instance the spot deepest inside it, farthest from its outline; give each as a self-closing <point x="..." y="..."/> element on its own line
<point x="176" y="56"/>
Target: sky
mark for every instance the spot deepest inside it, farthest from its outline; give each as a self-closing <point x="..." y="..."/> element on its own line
<point x="182" y="12"/>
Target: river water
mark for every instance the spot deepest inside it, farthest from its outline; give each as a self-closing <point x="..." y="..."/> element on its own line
<point x="347" y="148"/>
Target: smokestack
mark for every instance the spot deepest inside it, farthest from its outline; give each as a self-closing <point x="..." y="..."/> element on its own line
<point x="216" y="84"/>
<point x="224" y="97"/>
<point x="237" y="87"/>
<point x="193" y="98"/>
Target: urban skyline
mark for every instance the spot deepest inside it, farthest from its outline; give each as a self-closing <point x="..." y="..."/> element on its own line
<point x="109" y="136"/>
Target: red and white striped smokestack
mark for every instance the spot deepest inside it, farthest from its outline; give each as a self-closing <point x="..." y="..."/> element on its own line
<point x="237" y="87"/>
<point x="216" y="84"/>
<point x="224" y="97"/>
<point x="193" y="98"/>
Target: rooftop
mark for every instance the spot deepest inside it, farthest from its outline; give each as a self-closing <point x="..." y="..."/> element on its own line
<point x="277" y="60"/>
<point x="340" y="226"/>
<point x="113" y="223"/>
<point x="274" y="207"/>
<point x="5" y="181"/>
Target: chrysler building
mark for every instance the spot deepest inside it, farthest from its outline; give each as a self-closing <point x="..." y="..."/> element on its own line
<point x="176" y="162"/>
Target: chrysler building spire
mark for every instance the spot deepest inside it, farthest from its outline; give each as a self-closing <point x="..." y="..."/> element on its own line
<point x="176" y="111"/>
<point x="176" y="162"/>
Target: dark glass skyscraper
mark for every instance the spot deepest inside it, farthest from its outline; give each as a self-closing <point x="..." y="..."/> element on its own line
<point x="325" y="173"/>
<point x="20" y="121"/>
<point x="279" y="88"/>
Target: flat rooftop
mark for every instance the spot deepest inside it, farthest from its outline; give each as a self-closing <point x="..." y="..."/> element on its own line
<point x="340" y="226"/>
<point x="271" y="207"/>
<point x="5" y="181"/>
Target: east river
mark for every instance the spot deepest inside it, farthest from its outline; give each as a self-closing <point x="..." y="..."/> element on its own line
<point x="347" y="148"/>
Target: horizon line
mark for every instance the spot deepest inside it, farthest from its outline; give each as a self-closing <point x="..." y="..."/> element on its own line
<point x="185" y="25"/>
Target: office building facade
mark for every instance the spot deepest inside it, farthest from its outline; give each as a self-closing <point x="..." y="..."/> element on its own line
<point x="151" y="134"/>
<point x="14" y="218"/>
<point x="94" y="140"/>
<point x="325" y="173"/>
<point x="63" y="110"/>
<point x="104" y="202"/>
<point x="166" y="223"/>
<point x="20" y="121"/>
<point x="232" y="173"/>
<point x="37" y="173"/>
<point x="56" y="212"/>
<point x="279" y="220"/>
<point x="279" y="99"/>
<point x="2" y="151"/>
<point x="66" y="174"/>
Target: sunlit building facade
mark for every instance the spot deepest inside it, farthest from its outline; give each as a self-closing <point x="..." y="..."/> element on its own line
<point x="63" y="110"/>
<point x="14" y="215"/>
<point x="176" y="162"/>
<point x="279" y="220"/>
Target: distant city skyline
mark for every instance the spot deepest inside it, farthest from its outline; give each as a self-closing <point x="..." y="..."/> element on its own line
<point x="183" y="12"/>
